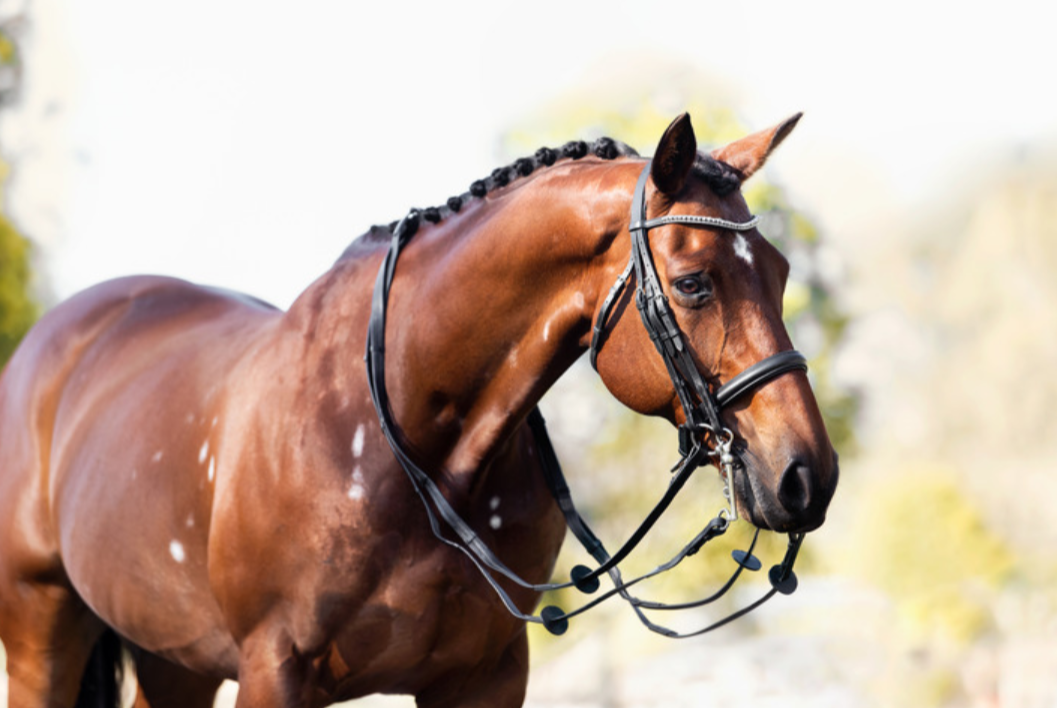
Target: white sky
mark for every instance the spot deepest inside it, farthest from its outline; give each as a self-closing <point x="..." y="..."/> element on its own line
<point x="243" y="144"/>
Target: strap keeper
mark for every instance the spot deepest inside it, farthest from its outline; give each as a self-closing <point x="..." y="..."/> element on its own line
<point x="690" y="448"/>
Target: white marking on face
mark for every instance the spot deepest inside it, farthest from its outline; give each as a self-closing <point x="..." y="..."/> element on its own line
<point x="741" y="249"/>
<point x="356" y="489"/>
<point x="156" y="457"/>
<point x="190" y="520"/>
<point x="212" y="468"/>
<point x="357" y="441"/>
<point x="493" y="503"/>
<point x="495" y="522"/>
<point x="203" y="452"/>
<point x="176" y="550"/>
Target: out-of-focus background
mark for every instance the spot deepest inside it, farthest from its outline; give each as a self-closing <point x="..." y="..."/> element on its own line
<point x="244" y="144"/>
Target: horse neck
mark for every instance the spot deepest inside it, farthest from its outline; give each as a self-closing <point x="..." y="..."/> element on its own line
<point x="488" y="308"/>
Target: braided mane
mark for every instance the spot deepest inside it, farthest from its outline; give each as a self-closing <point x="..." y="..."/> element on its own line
<point x="721" y="177"/>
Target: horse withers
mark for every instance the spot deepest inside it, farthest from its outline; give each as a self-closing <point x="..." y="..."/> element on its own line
<point x="207" y="478"/>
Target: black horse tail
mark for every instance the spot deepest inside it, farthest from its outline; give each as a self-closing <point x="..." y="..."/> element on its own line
<point x="101" y="682"/>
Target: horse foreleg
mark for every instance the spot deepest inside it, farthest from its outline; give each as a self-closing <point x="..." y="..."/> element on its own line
<point x="500" y="685"/>
<point x="162" y="684"/>
<point x="48" y="637"/>
<point x="273" y="674"/>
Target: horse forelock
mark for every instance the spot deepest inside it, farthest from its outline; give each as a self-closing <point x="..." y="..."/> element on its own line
<point x="721" y="178"/>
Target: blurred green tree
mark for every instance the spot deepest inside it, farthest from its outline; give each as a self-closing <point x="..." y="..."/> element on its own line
<point x="949" y="592"/>
<point x="18" y="307"/>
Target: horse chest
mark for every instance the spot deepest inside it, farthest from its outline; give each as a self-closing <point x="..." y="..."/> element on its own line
<point x="387" y="607"/>
<point x="427" y="619"/>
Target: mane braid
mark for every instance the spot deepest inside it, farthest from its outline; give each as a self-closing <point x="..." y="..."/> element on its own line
<point x="604" y="148"/>
<point x="719" y="176"/>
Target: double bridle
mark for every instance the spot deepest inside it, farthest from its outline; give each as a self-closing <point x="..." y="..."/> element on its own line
<point x="700" y="406"/>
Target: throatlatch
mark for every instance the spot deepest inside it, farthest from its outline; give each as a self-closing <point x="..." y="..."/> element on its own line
<point x="702" y="412"/>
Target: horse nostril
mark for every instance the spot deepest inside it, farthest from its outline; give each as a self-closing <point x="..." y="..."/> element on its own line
<point x="794" y="488"/>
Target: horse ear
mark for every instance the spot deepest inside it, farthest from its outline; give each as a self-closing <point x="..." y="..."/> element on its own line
<point x="674" y="157"/>
<point x="748" y="154"/>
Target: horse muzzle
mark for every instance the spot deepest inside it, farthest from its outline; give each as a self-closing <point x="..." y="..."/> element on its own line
<point x="792" y="500"/>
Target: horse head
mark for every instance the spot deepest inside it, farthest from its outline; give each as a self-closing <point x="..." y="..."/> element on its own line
<point x="722" y="282"/>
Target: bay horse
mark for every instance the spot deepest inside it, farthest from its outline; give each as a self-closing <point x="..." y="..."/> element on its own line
<point x="207" y="478"/>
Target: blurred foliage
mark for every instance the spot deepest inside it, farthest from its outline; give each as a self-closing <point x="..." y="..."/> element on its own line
<point x="10" y="59"/>
<point x="923" y="541"/>
<point x="8" y="49"/>
<point x="18" y="307"/>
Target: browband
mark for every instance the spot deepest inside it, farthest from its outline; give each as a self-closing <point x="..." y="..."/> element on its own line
<point x="695" y="220"/>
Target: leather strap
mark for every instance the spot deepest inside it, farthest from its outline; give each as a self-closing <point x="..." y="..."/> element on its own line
<point x="760" y="373"/>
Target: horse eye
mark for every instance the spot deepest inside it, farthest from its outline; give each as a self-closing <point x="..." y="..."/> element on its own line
<point x="694" y="286"/>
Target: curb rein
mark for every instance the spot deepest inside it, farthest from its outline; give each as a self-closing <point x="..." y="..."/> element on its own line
<point x="701" y="409"/>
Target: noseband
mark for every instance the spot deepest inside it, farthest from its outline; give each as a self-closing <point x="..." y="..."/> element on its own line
<point x="700" y="406"/>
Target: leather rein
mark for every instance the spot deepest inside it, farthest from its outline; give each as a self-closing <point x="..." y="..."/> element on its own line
<point x="702" y="412"/>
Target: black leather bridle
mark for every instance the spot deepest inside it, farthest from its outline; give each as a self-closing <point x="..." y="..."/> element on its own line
<point x="701" y="408"/>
